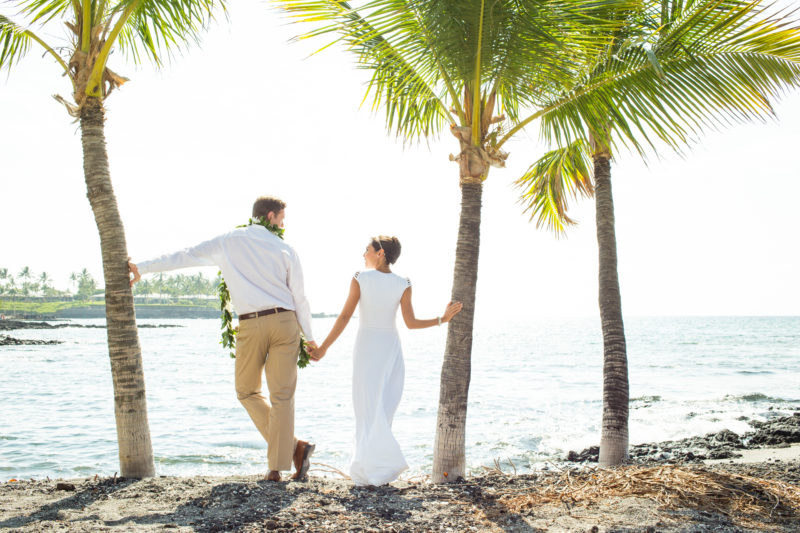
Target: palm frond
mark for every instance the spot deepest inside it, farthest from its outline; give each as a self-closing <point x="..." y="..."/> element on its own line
<point x="422" y="53"/>
<point x="159" y="28"/>
<point x="527" y="47"/>
<point x="14" y="42"/>
<point x="43" y="11"/>
<point x="558" y="176"/>
<point x="719" y="64"/>
<point x="674" y="72"/>
<point x="389" y="39"/>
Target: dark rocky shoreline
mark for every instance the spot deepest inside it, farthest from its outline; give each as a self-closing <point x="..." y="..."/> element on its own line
<point x="11" y="341"/>
<point x="778" y="432"/>
<point x="8" y="325"/>
<point x="12" y="325"/>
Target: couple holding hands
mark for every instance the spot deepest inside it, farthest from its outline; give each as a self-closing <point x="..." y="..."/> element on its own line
<point x="265" y="281"/>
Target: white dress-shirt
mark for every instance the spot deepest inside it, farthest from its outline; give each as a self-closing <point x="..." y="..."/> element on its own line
<point x="260" y="269"/>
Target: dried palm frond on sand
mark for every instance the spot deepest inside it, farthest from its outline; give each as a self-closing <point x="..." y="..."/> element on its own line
<point x="746" y="500"/>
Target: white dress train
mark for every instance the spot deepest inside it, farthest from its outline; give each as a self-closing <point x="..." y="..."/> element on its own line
<point x="378" y="374"/>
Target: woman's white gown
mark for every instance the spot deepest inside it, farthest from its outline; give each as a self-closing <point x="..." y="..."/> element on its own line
<point x="378" y="374"/>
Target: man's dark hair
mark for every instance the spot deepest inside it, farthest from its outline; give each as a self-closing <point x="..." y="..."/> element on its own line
<point x="389" y="245"/>
<point x="265" y="204"/>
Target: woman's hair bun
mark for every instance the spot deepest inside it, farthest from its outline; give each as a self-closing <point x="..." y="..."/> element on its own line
<point x="390" y="246"/>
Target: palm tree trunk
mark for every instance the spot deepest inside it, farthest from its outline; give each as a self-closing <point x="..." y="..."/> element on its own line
<point x="449" y="456"/>
<point x="614" y="437"/>
<point x="130" y="404"/>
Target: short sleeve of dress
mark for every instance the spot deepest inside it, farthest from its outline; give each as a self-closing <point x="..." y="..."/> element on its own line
<point x="355" y="276"/>
<point x="402" y="285"/>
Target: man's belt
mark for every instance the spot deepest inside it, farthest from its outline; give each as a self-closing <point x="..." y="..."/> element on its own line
<point x="265" y="312"/>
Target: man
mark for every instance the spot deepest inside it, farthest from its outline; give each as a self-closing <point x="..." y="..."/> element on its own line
<point x="265" y="281"/>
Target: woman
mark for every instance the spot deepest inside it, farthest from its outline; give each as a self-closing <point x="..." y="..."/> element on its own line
<point x="378" y="369"/>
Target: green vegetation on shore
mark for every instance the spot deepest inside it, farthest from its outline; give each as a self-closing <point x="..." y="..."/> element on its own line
<point x="39" y="309"/>
<point x="25" y="307"/>
<point x="32" y="295"/>
<point x="43" y="310"/>
<point x="159" y="287"/>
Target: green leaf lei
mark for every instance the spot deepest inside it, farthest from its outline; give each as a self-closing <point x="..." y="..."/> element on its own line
<point x="228" y="331"/>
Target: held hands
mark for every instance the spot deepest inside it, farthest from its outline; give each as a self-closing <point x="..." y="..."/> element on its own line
<point x="311" y="346"/>
<point x="315" y="352"/>
<point x="452" y="309"/>
<point x="133" y="269"/>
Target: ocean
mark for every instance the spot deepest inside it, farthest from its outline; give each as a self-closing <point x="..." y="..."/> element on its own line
<point x="535" y="393"/>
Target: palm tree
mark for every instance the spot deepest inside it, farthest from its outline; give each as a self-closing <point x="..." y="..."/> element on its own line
<point x="461" y="63"/>
<point x="11" y="289"/>
<point x="684" y="66"/>
<point x="12" y="285"/>
<point x="25" y="274"/>
<point x="139" y="28"/>
<point x="198" y="285"/>
<point x="73" y="279"/>
<point x="143" y="288"/>
<point x="87" y="285"/>
<point x="44" y="283"/>
<point x="158" y="284"/>
<point x="27" y="287"/>
<point x="3" y="276"/>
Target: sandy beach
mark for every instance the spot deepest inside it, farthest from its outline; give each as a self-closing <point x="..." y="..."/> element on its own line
<point x="670" y="498"/>
<point x="762" y="455"/>
<point x="758" y="491"/>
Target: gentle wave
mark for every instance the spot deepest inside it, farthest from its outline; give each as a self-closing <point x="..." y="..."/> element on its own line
<point x="646" y="399"/>
<point x="756" y="396"/>
<point x="195" y="459"/>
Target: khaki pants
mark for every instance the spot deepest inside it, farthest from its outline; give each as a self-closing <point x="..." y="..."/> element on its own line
<point x="270" y="344"/>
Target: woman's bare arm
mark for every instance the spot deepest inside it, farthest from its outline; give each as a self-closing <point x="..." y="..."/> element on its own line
<point x="341" y="322"/>
<point x="413" y="322"/>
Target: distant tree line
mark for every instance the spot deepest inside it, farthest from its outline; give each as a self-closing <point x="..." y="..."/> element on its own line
<point x="27" y="284"/>
<point x="178" y="286"/>
<point x="82" y="286"/>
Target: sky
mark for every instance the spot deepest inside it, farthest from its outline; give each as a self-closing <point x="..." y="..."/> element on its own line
<point x="249" y="113"/>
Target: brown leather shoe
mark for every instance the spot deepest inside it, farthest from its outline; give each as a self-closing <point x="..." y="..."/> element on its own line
<point x="302" y="453"/>
<point x="273" y="475"/>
